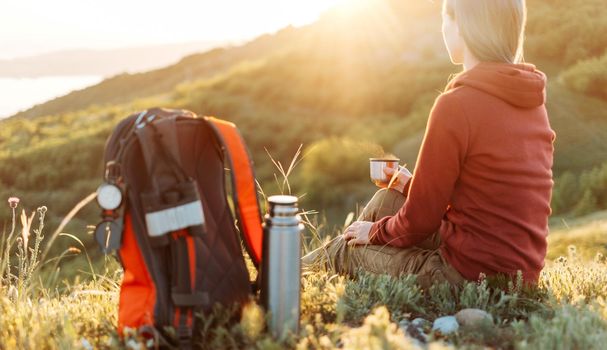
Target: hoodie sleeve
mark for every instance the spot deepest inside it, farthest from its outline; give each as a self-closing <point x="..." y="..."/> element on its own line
<point x="438" y="167"/>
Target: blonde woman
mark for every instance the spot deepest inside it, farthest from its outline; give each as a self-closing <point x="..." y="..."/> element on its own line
<point x="479" y="199"/>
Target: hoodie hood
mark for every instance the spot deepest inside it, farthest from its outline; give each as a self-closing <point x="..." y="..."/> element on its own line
<point x="520" y="85"/>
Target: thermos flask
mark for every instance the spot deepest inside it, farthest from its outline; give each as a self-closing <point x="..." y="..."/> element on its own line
<point x="281" y="269"/>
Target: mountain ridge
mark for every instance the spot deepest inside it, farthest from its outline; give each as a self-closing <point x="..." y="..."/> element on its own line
<point x="101" y="62"/>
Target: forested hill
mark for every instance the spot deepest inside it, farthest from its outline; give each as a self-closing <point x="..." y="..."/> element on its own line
<point x="355" y="83"/>
<point x="127" y="87"/>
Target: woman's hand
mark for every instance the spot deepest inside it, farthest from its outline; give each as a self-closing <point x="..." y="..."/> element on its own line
<point x="358" y="233"/>
<point x="402" y="177"/>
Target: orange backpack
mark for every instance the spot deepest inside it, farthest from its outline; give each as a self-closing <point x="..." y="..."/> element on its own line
<point x="165" y="211"/>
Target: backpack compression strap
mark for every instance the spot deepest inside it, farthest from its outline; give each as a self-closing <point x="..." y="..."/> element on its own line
<point x="244" y="188"/>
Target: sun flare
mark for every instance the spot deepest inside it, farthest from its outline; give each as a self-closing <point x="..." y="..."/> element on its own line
<point x="305" y="12"/>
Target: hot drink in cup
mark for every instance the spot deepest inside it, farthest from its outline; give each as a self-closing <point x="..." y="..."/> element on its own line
<point x="378" y="176"/>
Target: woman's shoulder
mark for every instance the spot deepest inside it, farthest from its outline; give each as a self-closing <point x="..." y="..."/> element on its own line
<point x="451" y="103"/>
<point x="448" y="111"/>
<point x="461" y="94"/>
<point x="468" y="102"/>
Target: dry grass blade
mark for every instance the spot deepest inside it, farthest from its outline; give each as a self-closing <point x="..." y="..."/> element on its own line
<point x="6" y="247"/>
<point x="66" y="220"/>
<point x="85" y="252"/>
<point x="285" y="173"/>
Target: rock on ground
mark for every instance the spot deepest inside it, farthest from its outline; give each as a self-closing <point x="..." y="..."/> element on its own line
<point x="445" y="324"/>
<point x="473" y="318"/>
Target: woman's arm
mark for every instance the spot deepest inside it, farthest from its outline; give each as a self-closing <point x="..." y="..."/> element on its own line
<point x="440" y="159"/>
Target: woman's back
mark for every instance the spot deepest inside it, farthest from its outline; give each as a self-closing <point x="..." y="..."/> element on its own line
<point x="501" y="201"/>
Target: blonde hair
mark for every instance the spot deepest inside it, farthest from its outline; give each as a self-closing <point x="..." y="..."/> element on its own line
<point x="492" y="29"/>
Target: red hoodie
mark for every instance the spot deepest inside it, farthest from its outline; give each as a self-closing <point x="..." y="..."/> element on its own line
<point x="483" y="177"/>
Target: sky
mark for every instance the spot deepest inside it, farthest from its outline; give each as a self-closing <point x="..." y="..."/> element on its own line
<point x="29" y="27"/>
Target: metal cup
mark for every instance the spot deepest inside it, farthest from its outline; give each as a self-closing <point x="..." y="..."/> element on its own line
<point x="377" y="166"/>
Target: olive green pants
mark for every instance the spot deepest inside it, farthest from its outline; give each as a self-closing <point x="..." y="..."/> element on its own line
<point x="423" y="260"/>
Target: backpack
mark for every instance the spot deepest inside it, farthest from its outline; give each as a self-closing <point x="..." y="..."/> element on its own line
<point x="166" y="213"/>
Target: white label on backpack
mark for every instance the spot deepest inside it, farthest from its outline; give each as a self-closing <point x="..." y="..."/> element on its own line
<point x="173" y="219"/>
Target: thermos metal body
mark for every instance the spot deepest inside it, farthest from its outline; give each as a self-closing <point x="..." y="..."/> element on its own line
<point x="281" y="271"/>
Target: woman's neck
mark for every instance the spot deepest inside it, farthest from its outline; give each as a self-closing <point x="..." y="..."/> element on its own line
<point x="469" y="60"/>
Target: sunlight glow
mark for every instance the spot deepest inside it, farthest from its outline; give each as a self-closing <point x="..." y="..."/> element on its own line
<point x="33" y="26"/>
<point x="354" y="6"/>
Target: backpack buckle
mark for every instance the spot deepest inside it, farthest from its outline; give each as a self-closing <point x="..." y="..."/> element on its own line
<point x="113" y="171"/>
<point x="184" y="336"/>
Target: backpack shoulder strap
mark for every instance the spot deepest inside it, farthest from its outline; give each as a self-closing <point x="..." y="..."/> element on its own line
<point x="243" y="187"/>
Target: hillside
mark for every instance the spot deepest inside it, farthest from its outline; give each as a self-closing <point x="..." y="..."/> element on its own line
<point x="350" y="86"/>
<point x="127" y="87"/>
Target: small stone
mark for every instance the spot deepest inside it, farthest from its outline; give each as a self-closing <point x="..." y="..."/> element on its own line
<point x="415" y="330"/>
<point x="86" y="344"/>
<point x="445" y="325"/>
<point x="404" y="323"/>
<point x="421" y="323"/>
<point x="417" y="334"/>
<point x="473" y="318"/>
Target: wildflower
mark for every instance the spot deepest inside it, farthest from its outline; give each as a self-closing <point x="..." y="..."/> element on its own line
<point x="13" y="202"/>
<point x="481" y="277"/>
<point x="42" y="210"/>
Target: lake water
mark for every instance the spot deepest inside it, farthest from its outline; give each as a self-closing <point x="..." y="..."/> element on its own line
<point x="20" y="94"/>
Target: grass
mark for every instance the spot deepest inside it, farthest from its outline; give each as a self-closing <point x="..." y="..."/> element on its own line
<point x="587" y="234"/>
<point x="568" y="309"/>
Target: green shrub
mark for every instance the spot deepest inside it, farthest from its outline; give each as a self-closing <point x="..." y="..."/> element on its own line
<point x="571" y="327"/>
<point x="367" y="291"/>
<point x="562" y="31"/>
<point x="588" y="77"/>
<point x="582" y="193"/>
<point x="334" y="170"/>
